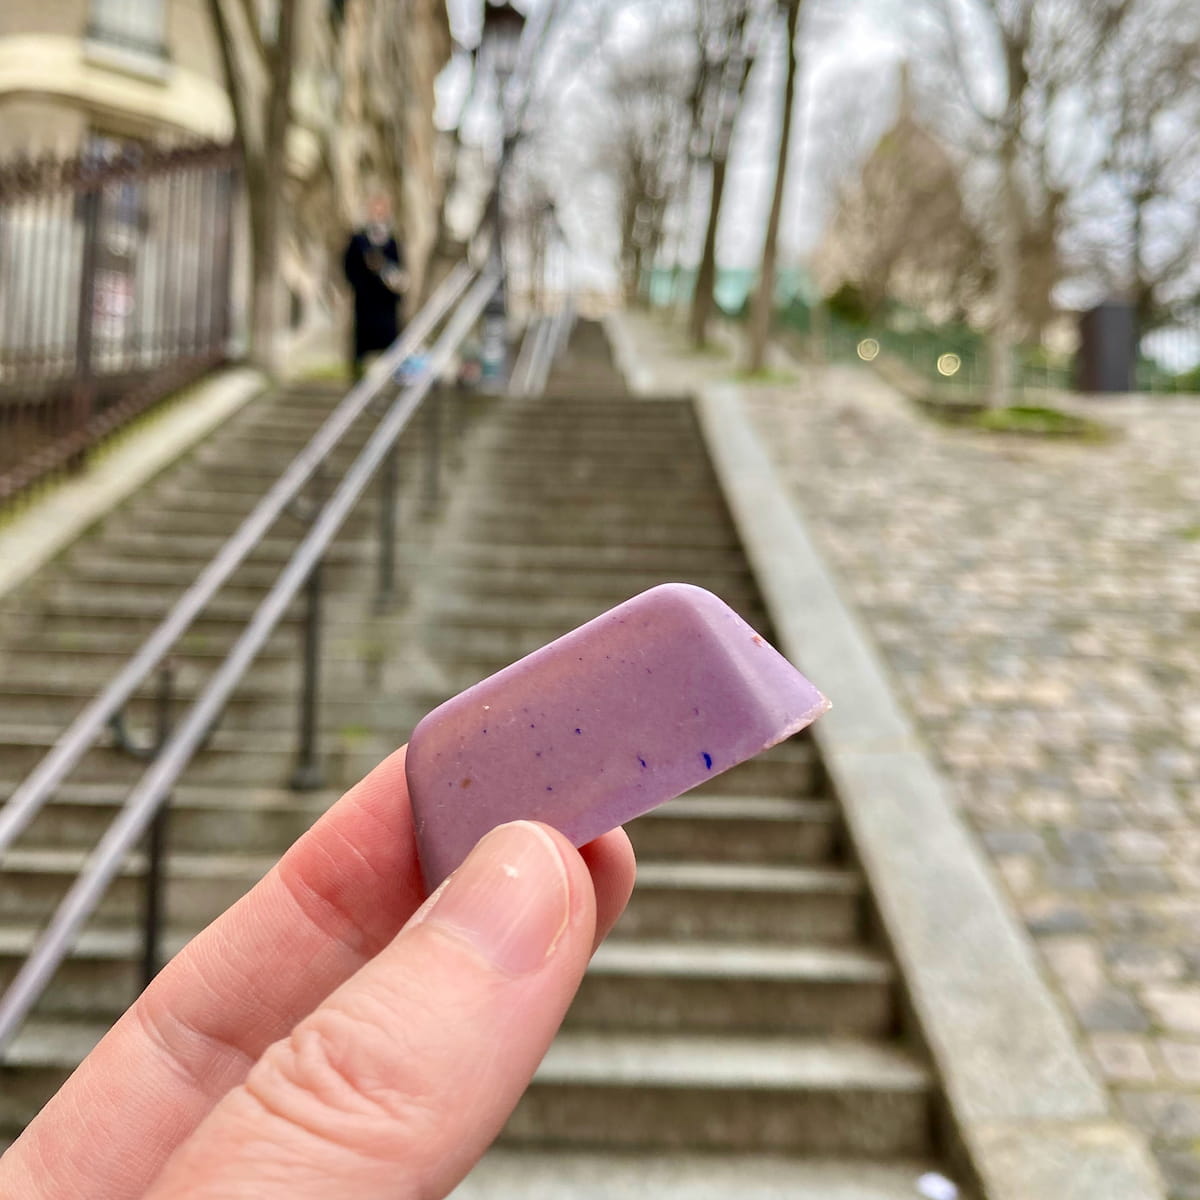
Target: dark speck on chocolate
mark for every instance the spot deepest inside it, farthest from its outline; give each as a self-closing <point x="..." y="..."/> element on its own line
<point x="641" y="760"/>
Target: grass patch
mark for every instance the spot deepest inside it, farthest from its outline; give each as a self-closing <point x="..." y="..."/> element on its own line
<point x="1190" y="533"/>
<point x="1027" y="420"/>
<point x="1039" y="421"/>
<point x="768" y="375"/>
<point x="331" y="372"/>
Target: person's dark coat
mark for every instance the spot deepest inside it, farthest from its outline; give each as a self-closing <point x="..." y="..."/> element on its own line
<point x="376" y="323"/>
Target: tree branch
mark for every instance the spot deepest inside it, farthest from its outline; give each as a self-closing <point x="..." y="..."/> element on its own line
<point x="254" y="31"/>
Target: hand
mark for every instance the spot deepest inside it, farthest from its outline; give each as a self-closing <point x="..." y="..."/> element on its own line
<point x="395" y="279"/>
<point x="330" y="1035"/>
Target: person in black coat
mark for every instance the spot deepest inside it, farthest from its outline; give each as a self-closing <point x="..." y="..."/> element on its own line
<point x="375" y="269"/>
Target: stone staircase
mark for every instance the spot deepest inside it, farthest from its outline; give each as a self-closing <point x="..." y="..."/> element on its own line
<point x="739" y="1034"/>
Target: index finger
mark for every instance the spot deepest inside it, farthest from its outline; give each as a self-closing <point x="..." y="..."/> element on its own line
<point x="337" y="897"/>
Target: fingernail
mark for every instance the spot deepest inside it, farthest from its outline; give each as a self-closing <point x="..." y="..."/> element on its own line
<point x="510" y="899"/>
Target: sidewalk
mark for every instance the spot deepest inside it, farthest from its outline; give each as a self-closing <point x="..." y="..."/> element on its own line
<point x="1038" y="606"/>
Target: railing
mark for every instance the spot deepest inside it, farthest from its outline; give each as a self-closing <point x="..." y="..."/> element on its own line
<point x="544" y="340"/>
<point x="459" y="301"/>
<point x="115" y="290"/>
<point x="454" y="308"/>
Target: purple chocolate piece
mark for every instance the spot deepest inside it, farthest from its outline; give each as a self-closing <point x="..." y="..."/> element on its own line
<point x="604" y="724"/>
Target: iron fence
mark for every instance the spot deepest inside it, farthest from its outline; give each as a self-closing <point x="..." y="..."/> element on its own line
<point x="115" y="273"/>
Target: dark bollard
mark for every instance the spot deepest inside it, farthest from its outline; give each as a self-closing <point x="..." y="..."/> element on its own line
<point x="1108" y="344"/>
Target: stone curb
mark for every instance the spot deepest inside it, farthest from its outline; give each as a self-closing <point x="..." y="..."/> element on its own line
<point x="1033" y="1119"/>
<point x="53" y="523"/>
<point x="638" y="378"/>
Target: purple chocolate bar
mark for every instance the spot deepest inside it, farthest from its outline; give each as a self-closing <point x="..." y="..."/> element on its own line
<point x="611" y="720"/>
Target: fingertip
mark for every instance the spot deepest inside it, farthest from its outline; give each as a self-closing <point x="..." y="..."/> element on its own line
<point x="613" y="868"/>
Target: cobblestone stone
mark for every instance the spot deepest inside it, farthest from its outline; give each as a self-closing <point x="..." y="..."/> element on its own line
<point x="1124" y="1059"/>
<point x="1175" y="1006"/>
<point x="1182" y="1059"/>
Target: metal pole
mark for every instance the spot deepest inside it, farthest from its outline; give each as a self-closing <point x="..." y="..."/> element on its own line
<point x="153" y="900"/>
<point x="433" y="449"/>
<point x="84" y="392"/>
<point x="388" y="506"/>
<point x="308" y="776"/>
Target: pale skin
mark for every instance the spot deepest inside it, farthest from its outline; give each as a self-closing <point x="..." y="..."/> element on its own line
<point x="331" y="1035"/>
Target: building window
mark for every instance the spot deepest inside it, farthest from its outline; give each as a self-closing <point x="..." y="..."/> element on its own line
<point x="135" y="25"/>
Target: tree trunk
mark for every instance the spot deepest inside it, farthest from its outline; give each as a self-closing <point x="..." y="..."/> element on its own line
<point x="764" y="298"/>
<point x="1006" y="319"/>
<point x="266" y="309"/>
<point x="706" y="279"/>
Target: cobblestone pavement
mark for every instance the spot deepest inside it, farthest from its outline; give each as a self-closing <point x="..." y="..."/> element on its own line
<point x="1038" y="604"/>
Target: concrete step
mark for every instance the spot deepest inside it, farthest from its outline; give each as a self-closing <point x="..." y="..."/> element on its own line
<point x="771" y="1094"/>
<point x="634" y="986"/>
<point x="507" y="1174"/>
<point x="110" y="573"/>
<point x="732" y="828"/>
<point x="565" y="556"/>
<point x="672" y="900"/>
<point x="263" y="820"/>
<point x="744" y="902"/>
<point x="193" y="551"/>
<point x="685" y="536"/>
<point x="99" y="652"/>
<point x="269" y="709"/>
<point x="233" y="757"/>
<point x="199" y="886"/>
<point x="699" y="987"/>
<point x="256" y="821"/>
<point x="183" y="519"/>
<point x="571" y="521"/>
<point x="638" y="1092"/>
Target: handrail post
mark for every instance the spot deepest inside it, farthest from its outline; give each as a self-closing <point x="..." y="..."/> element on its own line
<point x="388" y="506"/>
<point x="153" y="898"/>
<point x="433" y="448"/>
<point x="83" y="393"/>
<point x="308" y="776"/>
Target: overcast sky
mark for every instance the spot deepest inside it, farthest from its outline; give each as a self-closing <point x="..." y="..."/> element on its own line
<point x="861" y="58"/>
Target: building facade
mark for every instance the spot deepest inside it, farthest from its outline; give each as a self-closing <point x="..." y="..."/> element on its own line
<point x="74" y="71"/>
<point x="77" y="75"/>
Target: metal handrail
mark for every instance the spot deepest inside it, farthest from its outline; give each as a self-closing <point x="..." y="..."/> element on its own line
<point x="148" y="796"/>
<point x="81" y="735"/>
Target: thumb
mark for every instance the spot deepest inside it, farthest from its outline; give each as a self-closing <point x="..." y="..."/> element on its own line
<point x="398" y="1083"/>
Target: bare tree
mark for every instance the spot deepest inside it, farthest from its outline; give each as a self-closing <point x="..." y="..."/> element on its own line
<point x="1008" y="72"/>
<point x="727" y="34"/>
<point x="646" y="151"/>
<point x="1136" y="229"/>
<point x="258" y="49"/>
<point x="759" y="329"/>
